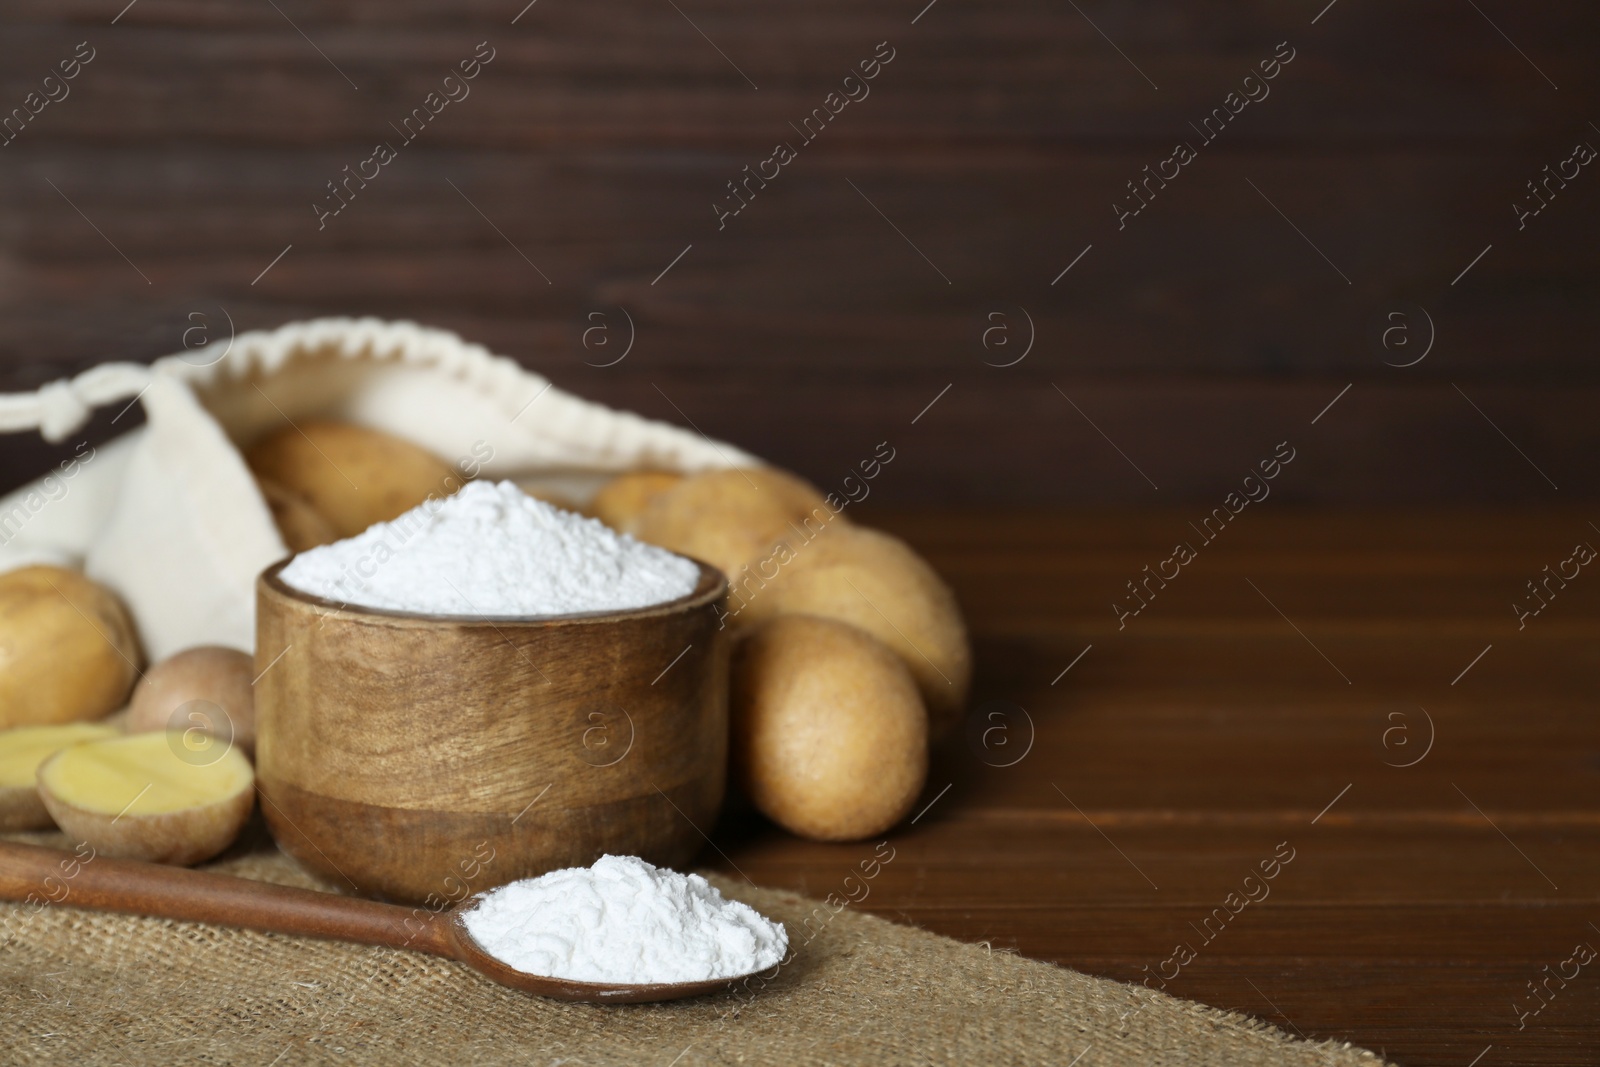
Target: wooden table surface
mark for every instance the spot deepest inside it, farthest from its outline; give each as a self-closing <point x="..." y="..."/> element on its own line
<point x="1353" y="684"/>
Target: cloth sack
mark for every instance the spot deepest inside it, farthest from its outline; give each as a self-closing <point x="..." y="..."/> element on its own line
<point x="169" y="517"/>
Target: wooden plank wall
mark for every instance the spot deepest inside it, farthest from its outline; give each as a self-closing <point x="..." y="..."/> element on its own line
<point x="861" y="281"/>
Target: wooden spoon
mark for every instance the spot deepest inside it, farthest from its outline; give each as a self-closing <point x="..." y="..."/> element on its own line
<point x="103" y="884"/>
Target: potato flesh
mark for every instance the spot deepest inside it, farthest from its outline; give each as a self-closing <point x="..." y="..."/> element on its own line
<point x="23" y="749"/>
<point x="143" y="775"/>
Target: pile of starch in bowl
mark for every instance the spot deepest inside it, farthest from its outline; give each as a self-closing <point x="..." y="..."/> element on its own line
<point x="492" y="550"/>
<point x="624" y="921"/>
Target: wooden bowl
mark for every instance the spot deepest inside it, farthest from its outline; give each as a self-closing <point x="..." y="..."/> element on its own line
<point x="426" y="758"/>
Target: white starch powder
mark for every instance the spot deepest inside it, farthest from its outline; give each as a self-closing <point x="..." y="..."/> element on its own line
<point x="492" y="550"/>
<point x="624" y="921"/>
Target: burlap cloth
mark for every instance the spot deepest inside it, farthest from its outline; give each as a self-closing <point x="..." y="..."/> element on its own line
<point x="80" y="987"/>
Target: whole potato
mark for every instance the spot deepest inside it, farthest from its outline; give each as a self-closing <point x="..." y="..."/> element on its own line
<point x="730" y="518"/>
<point x="67" y="648"/>
<point x="622" y="501"/>
<point x="875" y="582"/>
<point x="350" y="475"/>
<point x="206" y="688"/>
<point x="299" y="524"/>
<point x="829" y="736"/>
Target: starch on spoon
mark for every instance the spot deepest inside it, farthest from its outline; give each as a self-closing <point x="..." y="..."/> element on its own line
<point x="624" y="921"/>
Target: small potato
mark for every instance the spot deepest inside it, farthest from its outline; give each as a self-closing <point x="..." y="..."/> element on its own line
<point x="876" y="582"/>
<point x="299" y="524"/>
<point x="206" y="688"/>
<point x="21" y="752"/>
<point x="67" y="648"/>
<point x="622" y="501"/>
<point x="829" y="739"/>
<point x="729" y="518"/>
<point x="154" y="796"/>
<point x="350" y="475"/>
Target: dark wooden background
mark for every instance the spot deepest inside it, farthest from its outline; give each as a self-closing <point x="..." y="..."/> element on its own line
<point x="809" y="329"/>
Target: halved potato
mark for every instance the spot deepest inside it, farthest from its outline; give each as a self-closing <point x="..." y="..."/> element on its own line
<point x="171" y="796"/>
<point x="21" y="752"/>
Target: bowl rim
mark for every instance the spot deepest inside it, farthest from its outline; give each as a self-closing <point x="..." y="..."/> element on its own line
<point x="711" y="586"/>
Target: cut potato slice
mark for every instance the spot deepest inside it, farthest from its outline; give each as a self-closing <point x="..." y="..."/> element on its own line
<point x="21" y="752"/>
<point x="170" y="796"/>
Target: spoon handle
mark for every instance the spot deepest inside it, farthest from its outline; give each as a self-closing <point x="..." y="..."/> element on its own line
<point x="82" y="879"/>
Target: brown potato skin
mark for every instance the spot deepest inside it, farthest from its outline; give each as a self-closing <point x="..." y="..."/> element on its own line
<point x="21" y="809"/>
<point x="350" y="475"/>
<point x="299" y="524"/>
<point x="181" y="838"/>
<point x="212" y="673"/>
<point x="876" y="582"/>
<point x="729" y="518"/>
<point x="830" y="739"/>
<point x="68" y="650"/>
<point x="622" y="501"/>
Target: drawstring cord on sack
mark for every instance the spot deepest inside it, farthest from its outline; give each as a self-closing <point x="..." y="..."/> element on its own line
<point x="63" y="406"/>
